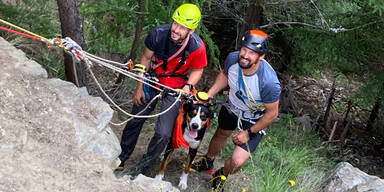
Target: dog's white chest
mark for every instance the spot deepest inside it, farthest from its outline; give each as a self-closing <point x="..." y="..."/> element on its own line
<point x="192" y="142"/>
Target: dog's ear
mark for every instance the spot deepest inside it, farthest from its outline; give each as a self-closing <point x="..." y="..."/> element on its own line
<point x="211" y="114"/>
<point x="187" y="106"/>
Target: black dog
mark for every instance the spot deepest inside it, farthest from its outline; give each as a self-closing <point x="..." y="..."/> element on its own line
<point x="195" y="121"/>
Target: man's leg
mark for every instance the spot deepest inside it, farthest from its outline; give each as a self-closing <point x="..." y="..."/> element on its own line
<point x="236" y="161"/>
<point x="241" y="153"/>
<point x="231" y="165"/>
<point x="218" y="142"/>
<point x="239" y="156"/>
<point x="163" y="132"/>
<point x="133" y="128"/>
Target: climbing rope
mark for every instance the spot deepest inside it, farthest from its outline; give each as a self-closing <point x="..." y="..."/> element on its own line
<point x="72" y="48"/>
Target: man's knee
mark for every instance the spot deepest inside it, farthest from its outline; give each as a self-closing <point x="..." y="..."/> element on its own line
<point x="237" y="161"/>
<point x="239" y="157"/>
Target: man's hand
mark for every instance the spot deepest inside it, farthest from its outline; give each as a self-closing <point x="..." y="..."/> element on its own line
<point x="186" y="90"/>
<point x="138" y="96"/>
<point x="240" y="137"/>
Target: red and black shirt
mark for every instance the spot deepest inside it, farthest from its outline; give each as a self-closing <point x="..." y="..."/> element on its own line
<point x="156" y="41"/>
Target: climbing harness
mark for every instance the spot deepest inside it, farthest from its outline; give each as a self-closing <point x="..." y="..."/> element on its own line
<point x="253" y="105"/>
<point x="136" y="72"/>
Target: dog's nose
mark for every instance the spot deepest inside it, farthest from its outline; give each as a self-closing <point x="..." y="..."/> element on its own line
<point x="195" y="125"/>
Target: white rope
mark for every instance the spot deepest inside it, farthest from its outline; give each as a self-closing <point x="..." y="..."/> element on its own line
<point x="124" y="72"/>
<point x="119" y="108"/>
<point x="132" y="75"/>
<point x="105" y="60"/>
<point x="146" y="107"/>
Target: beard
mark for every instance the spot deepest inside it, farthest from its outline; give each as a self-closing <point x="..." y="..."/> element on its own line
<point x="245" y="63"/>
<point x="177" y="37"/>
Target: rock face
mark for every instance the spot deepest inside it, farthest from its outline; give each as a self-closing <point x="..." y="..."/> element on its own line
<point x="53" y="136"/>
<point x="347" y="178"/>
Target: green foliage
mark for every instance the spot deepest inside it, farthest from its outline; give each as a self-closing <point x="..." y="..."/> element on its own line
<point x="213" y="51"/>
<point x="346" y="38"/>
<point x="109" y="25"/>
<point x="378" y="6"/>
<point x="344" y="51"/>
<point x="368" y="93"/>
<point x="53" y="66"/>
<point x="33" y="15"/>
<point x="36" y="16"/>
<point x="339" y="107"/>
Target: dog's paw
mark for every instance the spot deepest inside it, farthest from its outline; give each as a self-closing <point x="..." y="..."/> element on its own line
<point x="183" y="185"/>
<point x="183" y="181"/>
<point x="159" y="177"/>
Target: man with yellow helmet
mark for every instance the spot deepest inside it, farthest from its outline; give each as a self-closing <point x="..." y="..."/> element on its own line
<point x="171" y="51"/>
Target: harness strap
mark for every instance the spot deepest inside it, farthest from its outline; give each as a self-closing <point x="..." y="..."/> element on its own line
<point x="177" y="136"/>
<point x="166" y="59"/>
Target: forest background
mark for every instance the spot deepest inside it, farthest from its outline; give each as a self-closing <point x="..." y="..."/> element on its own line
<point x="329" y="56"/>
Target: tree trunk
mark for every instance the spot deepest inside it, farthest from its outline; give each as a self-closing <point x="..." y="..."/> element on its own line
<point x="374" y="114"/>
<point x="253" y="18"/>
<point x="71" y="27"/>
<point x="139" y="26"/>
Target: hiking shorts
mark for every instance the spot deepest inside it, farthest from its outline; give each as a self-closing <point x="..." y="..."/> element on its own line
<point x="228" y="121"/>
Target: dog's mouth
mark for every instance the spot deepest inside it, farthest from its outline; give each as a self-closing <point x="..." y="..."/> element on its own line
<point x="193" y="133"/>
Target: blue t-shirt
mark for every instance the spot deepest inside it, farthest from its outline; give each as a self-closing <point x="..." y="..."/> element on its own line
<point x="253" y="90"/>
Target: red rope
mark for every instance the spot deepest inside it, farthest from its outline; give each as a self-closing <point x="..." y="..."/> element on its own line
<point x="20" y="33"/>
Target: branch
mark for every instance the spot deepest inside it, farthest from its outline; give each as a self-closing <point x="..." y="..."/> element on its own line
<point x="238" y="17"/>
<point x="320" y="14"/>
<point x="288" y="23"/>
<point x="335" y="30"/>
<point x="342" y="29"/>
<point x="131" y="10"/>
<point x="284" y="2"/>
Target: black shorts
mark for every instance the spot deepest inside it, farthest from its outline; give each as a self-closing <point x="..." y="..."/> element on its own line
<point x="228" y="121"/>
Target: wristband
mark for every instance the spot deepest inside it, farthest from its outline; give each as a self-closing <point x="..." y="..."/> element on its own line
<point x="250" y="133"/>
<point x="190" y="86"/>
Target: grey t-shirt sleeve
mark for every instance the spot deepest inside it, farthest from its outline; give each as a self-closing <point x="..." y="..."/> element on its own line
<point x="231" y="59"/>
<point x="271" y="91"/>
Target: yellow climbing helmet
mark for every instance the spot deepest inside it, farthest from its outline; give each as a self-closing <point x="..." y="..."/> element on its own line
<point x="187" y="15"/>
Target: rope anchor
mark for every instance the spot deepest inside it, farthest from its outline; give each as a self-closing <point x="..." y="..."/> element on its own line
<point x="135" y="71"/>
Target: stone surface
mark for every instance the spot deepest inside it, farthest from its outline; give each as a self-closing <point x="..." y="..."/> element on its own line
<point x="347" y="178"/>
<point x="53" y="136"/>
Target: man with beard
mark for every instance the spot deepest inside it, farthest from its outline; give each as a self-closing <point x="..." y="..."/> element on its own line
<point x="171" y="51"/>
<point x="254" y="92"/>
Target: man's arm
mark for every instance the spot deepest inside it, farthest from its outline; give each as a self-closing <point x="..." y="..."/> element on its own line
<point x="272" y="112"/>
<point x="139" y="95"/>
<point x="221" y="82"/>
<point x="146" y="57"/>
<point x="194" y="77"/>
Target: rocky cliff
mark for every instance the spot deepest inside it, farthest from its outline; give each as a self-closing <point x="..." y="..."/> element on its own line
<point x="54" y="136"/>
